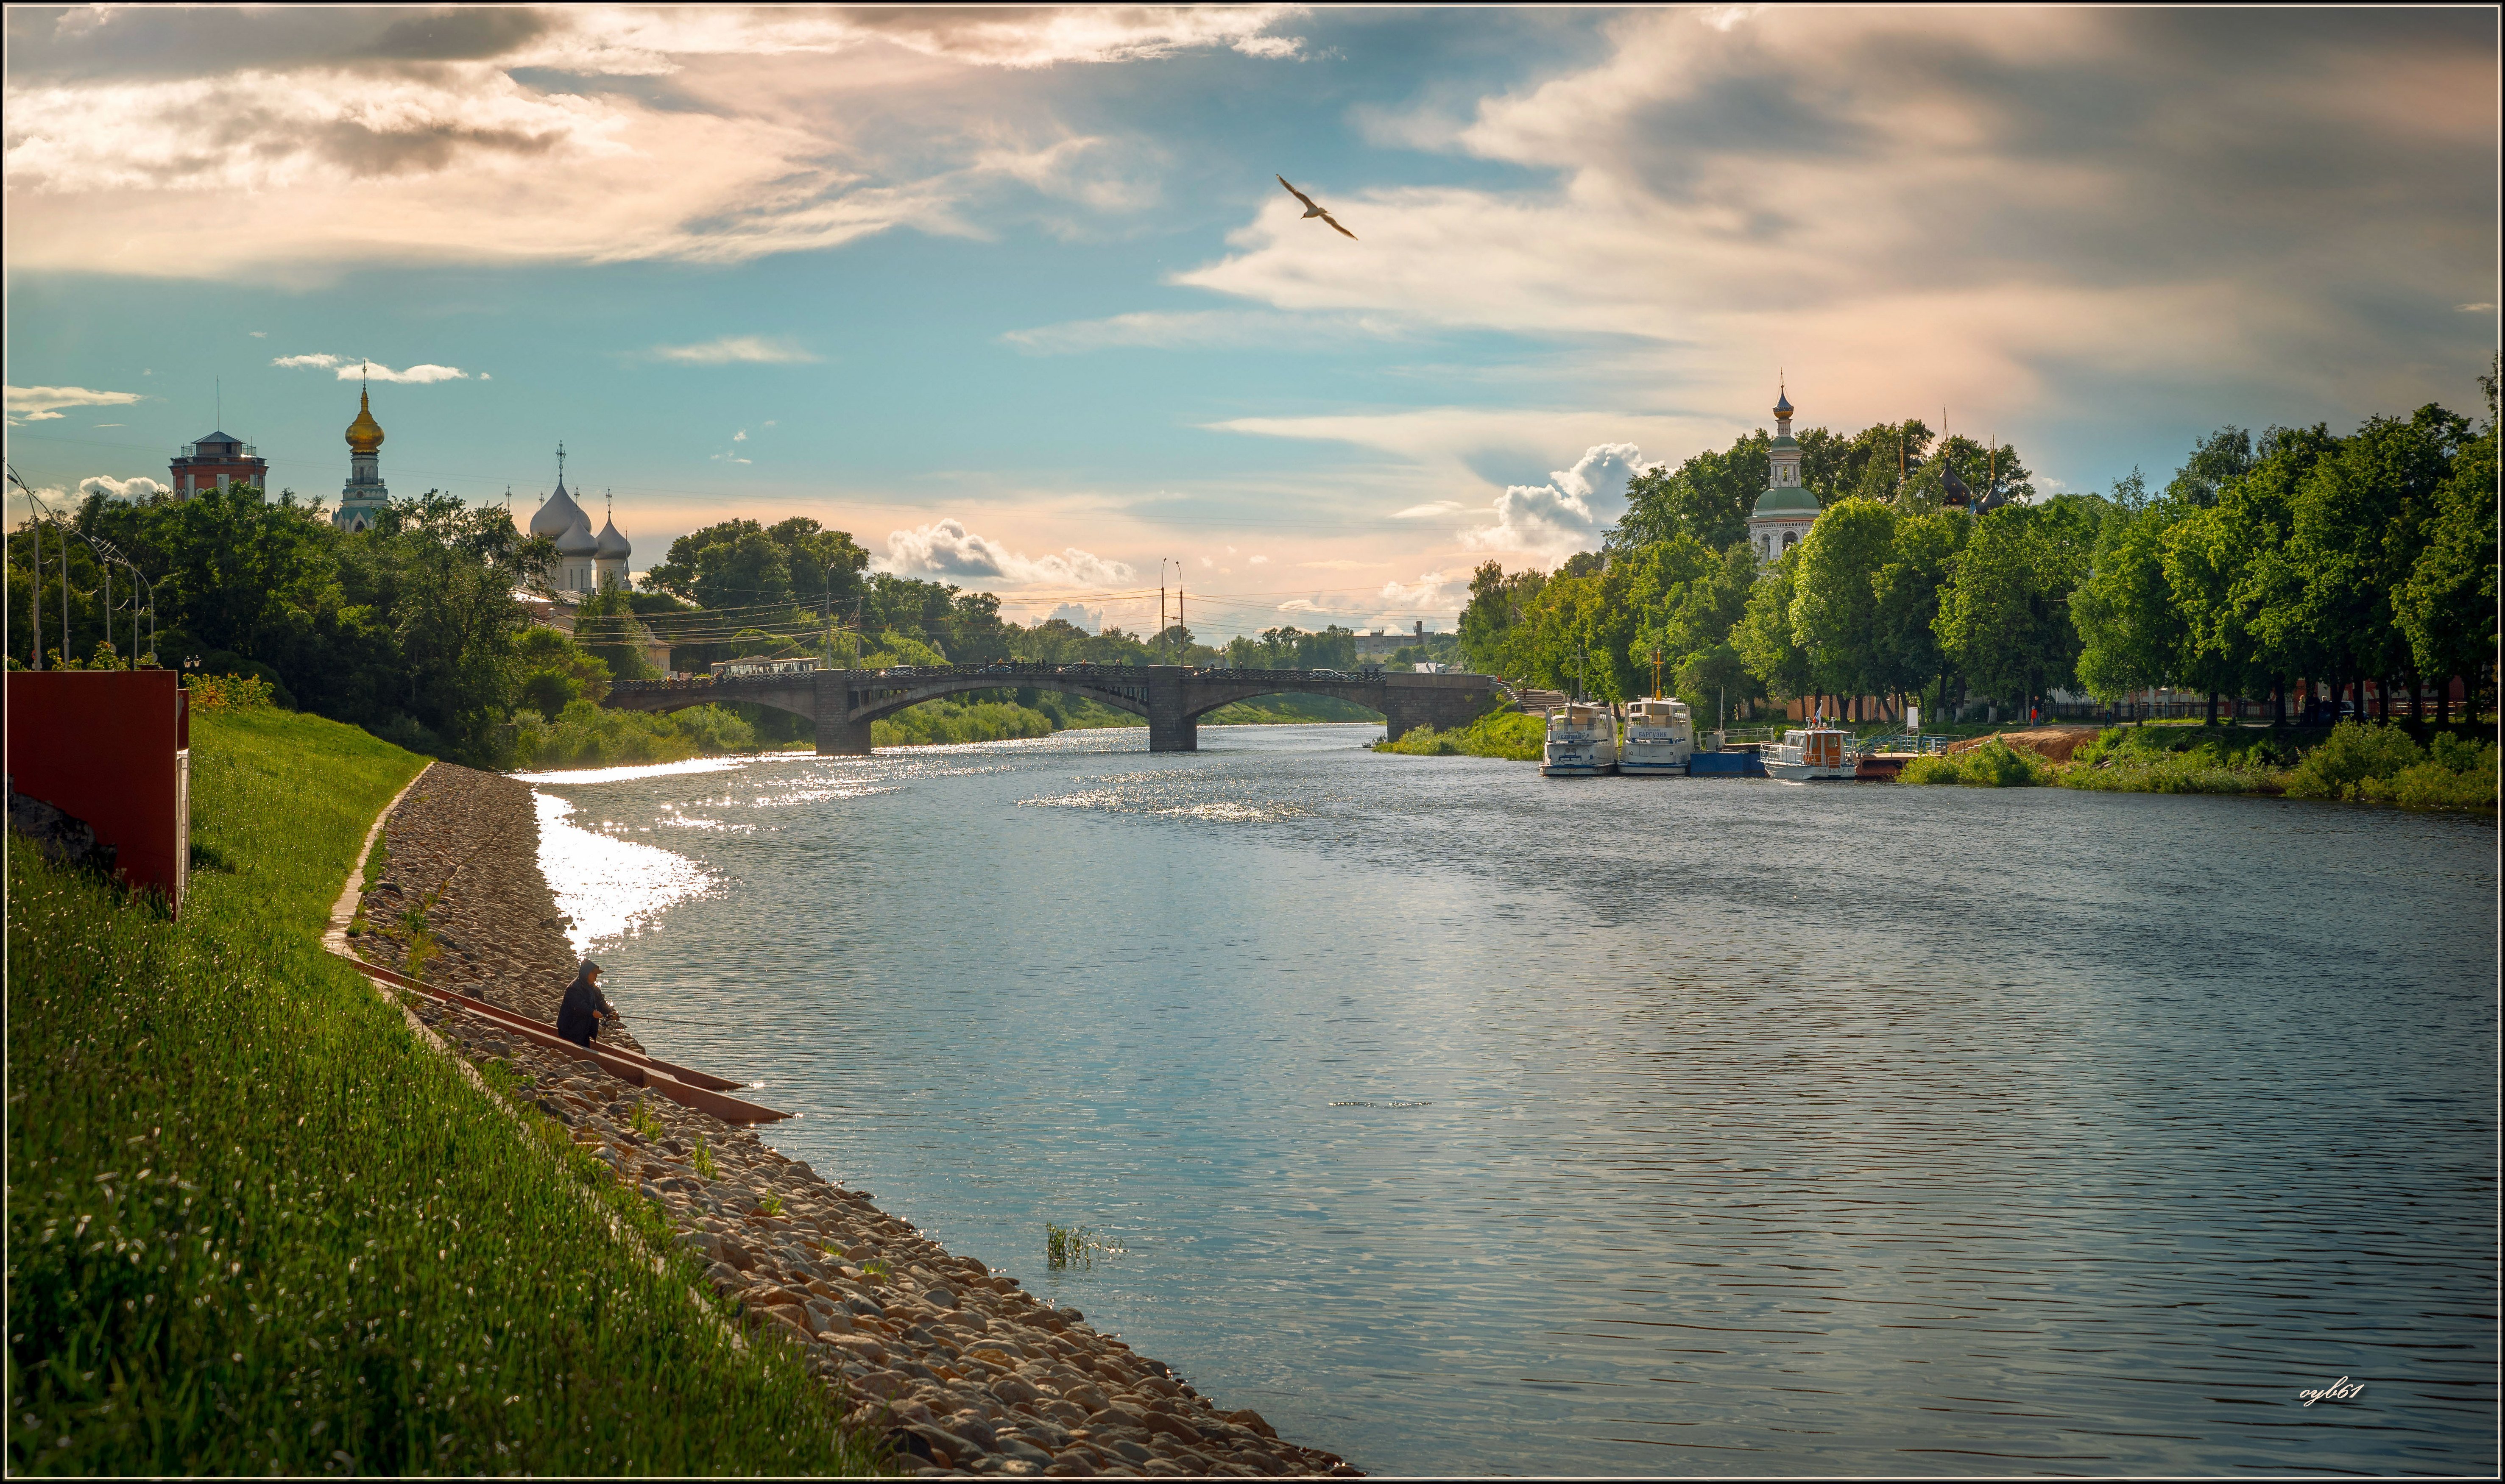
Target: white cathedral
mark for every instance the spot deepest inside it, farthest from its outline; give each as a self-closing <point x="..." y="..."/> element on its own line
<point x="584" y="561"/>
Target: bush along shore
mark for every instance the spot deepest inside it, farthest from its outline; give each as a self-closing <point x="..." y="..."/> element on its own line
<point x="1511" y="735"/>
<point x="341" y="1249"/>
<point x="2359" y="762"/>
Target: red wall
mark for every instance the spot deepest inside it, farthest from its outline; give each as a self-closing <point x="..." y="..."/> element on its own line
<point x="112" y="747"/>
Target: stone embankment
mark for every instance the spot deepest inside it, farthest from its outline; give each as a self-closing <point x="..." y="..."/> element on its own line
<point x="962" y="1368"/>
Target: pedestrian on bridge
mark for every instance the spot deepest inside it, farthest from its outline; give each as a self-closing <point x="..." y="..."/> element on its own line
<point x="579" y="1014"/>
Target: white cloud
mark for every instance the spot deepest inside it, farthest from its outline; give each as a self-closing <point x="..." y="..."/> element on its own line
<point x="734" y="350"/>
<point x="260" y="334"/>
<point x="1567" y="514"/>
<point x="1726" y="191"/>
<point x="1433" y="593"/>
<point x="632" y="41"/>
<point x="1257" y="561"/>
<point x="137" y="487"/>
<point x="2478" y="308"/>
<point x="1303" y="605"/>
<point x="1430" y="508"/>
<point x="1340" y="564"/>
<point x="740" y="437"/>
<point x="381" y="137"/>
<point x="1205" y="330"/>
<point x="44" y="403"/>
<point x="1091" y="619"/>
<point x="349" y="369"/>
<point x="947" y="548"/>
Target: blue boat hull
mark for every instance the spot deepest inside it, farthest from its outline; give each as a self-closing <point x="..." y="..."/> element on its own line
<point x="1726" y="765"/>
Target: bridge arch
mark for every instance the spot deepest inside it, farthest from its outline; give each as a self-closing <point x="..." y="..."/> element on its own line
<point x="1171" y="699"/>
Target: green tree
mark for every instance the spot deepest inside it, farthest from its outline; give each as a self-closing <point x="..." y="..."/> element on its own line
<point x="1907" y="592"/>
<point x="2447" y="609"/>
<point x="735" y="565"/>
<point x="2359" y="522"/>
<point x="555" y="672"/>
<point x="1707" y="497"/>
<point x="1697" y="597"/>
<point x="1835" y="606"/>
<point x="2132" y="636"/>
<point x="1491" y="622"/>
<point x="825" y="566"/>
<point x="2215" y="462"/>
<point x="1763" y="636"/>
<point x="2004" y="621"/>
<point x="444" y="573"/>
<point x="607" y="627"/>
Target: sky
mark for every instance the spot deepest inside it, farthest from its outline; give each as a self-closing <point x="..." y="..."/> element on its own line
<point x="1013" y="296"/>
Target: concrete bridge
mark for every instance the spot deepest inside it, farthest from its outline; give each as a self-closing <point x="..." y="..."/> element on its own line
<point x="1173" y="697"/>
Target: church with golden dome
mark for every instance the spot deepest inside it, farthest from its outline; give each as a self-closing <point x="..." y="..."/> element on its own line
<point x="362" y="498"/>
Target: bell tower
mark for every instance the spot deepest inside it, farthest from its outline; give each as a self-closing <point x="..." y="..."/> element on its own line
<point x="362" y="498"/>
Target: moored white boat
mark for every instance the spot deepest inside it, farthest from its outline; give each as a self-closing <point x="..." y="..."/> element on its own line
<point x="1583" y="741"/>
<point x="1807" y="756"/>
<point x="1659" y="738"/>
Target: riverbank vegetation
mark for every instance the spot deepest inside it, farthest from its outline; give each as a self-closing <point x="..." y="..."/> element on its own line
<point x="2364" y="763"/>
<point x="256" y="1227"/>
<point x="2301" y="560"/>
<point x="588" y="736"/>
<point x="1510" y="734"/>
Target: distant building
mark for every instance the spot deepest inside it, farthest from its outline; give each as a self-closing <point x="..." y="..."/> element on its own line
<point x="1787" y="509"/>
<point x="362" y="498"/>
<point x="1384" y="644"/>
<point x="584" y="561"/>
<point x="215" y="461"/>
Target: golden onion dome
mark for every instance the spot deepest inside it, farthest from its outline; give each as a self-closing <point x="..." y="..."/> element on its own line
<point x="364" y="435"/>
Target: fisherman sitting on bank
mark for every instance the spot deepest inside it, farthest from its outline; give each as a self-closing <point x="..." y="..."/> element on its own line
<point x="584" y="1007"/>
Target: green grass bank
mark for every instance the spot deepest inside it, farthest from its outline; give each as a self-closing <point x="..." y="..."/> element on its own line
<point x="2365" y="763"/>
<point x="256" y="1226"/>
<point x="1511" y="735"/>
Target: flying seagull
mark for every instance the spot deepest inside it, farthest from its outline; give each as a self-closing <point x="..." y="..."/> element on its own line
<point x="1311" y="210"/>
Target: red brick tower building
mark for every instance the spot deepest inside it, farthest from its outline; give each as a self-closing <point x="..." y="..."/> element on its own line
<point x="215" y="461"/>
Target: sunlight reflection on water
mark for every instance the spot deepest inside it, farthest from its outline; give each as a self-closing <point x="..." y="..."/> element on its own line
<point x="613" y="888"/>
<point x="630" y="774"/>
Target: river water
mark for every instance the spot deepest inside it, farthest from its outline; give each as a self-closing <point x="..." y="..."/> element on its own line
<point x="1462" y="1120"/>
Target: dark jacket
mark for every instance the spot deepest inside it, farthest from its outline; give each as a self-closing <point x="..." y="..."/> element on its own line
<point x="578" y="1016"/>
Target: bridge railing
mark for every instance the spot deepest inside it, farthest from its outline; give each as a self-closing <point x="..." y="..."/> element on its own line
<point x="1012" y="674"/>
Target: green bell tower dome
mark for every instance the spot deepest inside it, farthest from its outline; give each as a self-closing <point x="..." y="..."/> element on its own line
<point x="1787" y="509"/>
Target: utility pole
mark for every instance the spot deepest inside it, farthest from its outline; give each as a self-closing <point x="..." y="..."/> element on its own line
<point x="1162" y="604"/>
<point x="35" y="532"/>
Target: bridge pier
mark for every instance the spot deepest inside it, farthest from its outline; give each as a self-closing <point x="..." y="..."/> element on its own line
<point x="1172" y="725"/>
<point x="838" y="736"/>
<point x="1407" y="712"/>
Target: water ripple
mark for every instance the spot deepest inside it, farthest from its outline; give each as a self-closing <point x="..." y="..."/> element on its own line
<point x="1744" y="1129"/>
